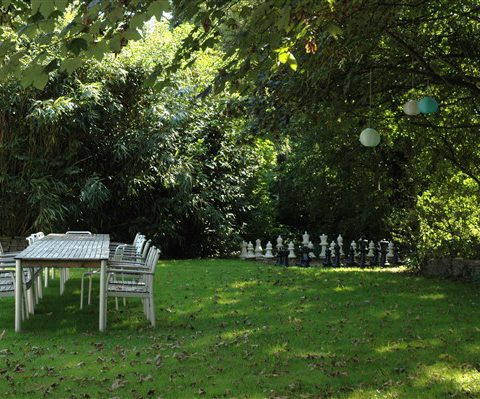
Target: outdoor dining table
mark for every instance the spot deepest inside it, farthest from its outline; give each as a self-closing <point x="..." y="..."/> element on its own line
<point x="64" y="251"/>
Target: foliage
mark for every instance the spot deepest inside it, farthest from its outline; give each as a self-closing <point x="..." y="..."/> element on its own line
<point x="100" y="151"/>
<point x="240" y="329"/>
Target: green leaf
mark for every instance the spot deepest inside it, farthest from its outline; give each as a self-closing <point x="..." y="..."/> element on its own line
<point x="132" y="34"/>
<point x="334" y="30"/>
<point x="46" y="7"/>
<point x="283" y="57"/>
<point x="40" y="81"/>
<point x="71" y="64"/>
<point x="116" y="14"/>
<point x="35" y="6"/>
<point x="31" y="74"/>
<point x="157" y="8"/>
<point x="292" y="62"/>
<point x="115" y="44"/>
<point x="76" y="45"/>
<point x="61" y="4"/>
<point x="284" y="19"/>
<point x="98" y="50"/>
<point x="51" y="66"/>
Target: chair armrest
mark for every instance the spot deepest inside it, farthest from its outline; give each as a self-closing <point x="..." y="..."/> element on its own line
<point x="131" y="272"/>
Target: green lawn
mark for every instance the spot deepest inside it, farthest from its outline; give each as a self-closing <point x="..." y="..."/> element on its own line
<point x="228" y="328"/>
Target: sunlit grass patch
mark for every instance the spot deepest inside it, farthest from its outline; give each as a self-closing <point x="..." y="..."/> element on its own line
<point x="228" y="328"/>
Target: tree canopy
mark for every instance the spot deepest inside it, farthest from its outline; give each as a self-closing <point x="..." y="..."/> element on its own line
<point x="262" y="99"/>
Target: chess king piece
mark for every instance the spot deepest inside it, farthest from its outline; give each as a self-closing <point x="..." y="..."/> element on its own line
<point x="306" y="239"/>
<point x="258" y="249"/>
<point x="279" y="243"/>
<point x="323" y="245"/>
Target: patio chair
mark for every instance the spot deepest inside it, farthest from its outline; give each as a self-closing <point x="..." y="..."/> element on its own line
<point x="122" y="252"/>
<point x="7" y="285"/>
<point x="137" y="281"/>
<point x="37" y="275"/>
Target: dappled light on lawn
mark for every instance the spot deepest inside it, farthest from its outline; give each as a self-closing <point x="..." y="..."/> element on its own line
<point x="239" y="329"/>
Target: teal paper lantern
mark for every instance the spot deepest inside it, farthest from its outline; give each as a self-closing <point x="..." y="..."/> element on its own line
<point x="428" y="105"/>
<point x="369" y="137"/>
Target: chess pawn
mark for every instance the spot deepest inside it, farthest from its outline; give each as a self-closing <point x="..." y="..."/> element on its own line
<point x="250" y="253"/>
<point x="291" y="251"/>
<point x="279" y="243"/>
<point x="390" y="253"/>
<point x="323" y="245"/>
<point x="340" y="244"/>
<point x="258" y="249"/>
<point x="354" y="247"/>
<point x="243" y="251"/>
<point x="306" y="239"/>
<point x="371" y="248"/>
<point x="332" y="249"/>
<point x="310" y="247"/>
<point x="268" y="253"/>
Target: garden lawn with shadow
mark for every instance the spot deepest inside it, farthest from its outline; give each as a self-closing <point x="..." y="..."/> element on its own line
<point x="231" y="328"/>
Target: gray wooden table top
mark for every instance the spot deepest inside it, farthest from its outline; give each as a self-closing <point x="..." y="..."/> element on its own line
<point x="65" y="247"/>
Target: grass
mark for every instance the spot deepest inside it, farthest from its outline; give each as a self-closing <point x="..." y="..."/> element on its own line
<point x="228" y="328"/>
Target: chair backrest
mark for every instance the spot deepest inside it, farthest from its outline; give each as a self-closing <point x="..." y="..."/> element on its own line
<point x="79" y="233"/>
<point x="146" y="246"/>
<point x="152" y="258"/>
<point x="140" y="242"/>
<point x="31" y="239"/>
<point x="137" y="236"/>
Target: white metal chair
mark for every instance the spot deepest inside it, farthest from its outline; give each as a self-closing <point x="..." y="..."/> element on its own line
<point x="7" y="284"/>
<point x="136" y="281"/>
<point x="122" y="252"/>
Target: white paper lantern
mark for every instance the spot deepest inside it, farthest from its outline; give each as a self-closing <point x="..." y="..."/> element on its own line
<point x="369" y="137"/>
<point x="411" y="108"/>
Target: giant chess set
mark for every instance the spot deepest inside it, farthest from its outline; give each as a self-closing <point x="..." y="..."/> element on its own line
<point x="361" y="253"/>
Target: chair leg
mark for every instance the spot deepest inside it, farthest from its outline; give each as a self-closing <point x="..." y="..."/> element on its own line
<point x="46" y="271"/>
<point x="31" y="301"/>
<point x="152" y="309"/>
<point x="40" y="285"/>
<point x="62" y="281"/>
<point x="90" y="289"/>
<point x="81" y="293"/>
<point x="116" y="303"/>
<point x="53" y="273"/>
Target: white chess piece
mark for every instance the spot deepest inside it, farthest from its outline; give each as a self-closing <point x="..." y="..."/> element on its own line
<point x="250" y="253"/>
<point x="243" y="252"/>
<point x="332" y="249"/>
<point x="340" y="244"/>
<point x="258" y="249"/>
<point x="310" y="247"/>
<point x="279" y="243"/>
<point x="268" y="253"/>
<point x="354" y="247"/>
<point x="371" y="247"/>
<point x="306" y="239"/>
<point x="390" y="253"/>
<point x="324" y="245"/>
<point x="291" y="249"/>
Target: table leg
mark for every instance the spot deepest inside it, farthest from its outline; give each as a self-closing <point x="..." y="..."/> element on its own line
<point x="18" y="295"/>
<point x="102" y="324"/>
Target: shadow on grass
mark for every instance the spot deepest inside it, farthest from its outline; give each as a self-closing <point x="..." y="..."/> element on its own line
<point x="231" y="328"/>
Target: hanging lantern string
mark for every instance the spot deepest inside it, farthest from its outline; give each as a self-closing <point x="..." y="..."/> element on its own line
<point x="370" y="106"/>
<point x="411" y="74"/>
